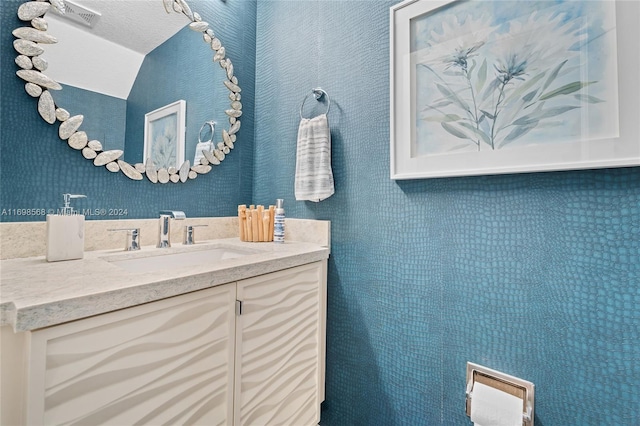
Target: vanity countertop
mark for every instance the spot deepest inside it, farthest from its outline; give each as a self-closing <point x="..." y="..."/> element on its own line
<point x="35" y="293"/>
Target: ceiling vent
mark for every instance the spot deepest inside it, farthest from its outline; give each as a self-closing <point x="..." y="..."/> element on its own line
<point x="81" y="14"/>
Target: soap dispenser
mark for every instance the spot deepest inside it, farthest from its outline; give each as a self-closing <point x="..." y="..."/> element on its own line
<point x="65" y="232"/>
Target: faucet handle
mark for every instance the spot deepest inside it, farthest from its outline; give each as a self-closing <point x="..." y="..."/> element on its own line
<point x="176" y="214"/>
<point x="189" y="237"/>
<point x="133" y="238"/>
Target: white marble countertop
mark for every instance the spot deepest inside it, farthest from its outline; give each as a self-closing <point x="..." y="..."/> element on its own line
<point x="35" y="293"/>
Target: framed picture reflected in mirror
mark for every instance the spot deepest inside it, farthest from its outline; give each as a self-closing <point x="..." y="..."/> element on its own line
<point x="164" y="135"/>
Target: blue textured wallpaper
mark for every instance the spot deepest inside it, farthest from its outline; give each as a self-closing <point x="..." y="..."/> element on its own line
<point x="536" y="275"/>
<point x="104" y="116"/>
<point x="36" y="167"/>
<point x="184" y="68"/>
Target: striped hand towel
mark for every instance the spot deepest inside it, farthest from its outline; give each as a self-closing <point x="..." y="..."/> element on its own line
<point x="314" y="178"/>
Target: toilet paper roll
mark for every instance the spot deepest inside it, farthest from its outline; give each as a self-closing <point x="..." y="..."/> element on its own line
<point x="492" y="407"/>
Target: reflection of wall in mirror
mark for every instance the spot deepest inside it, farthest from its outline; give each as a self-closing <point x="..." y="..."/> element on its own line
<point x="114" y="108"/>
<point x="180" y="68"/>
<point x="104" y="116"/>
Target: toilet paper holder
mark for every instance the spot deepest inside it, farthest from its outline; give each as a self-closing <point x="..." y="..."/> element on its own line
<point x="513" y="385"/>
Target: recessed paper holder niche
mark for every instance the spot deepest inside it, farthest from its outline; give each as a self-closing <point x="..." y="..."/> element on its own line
<point x="512" y="385"/>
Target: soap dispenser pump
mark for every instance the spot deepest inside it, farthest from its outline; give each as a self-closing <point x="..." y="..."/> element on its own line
<point x="65" y="232"/>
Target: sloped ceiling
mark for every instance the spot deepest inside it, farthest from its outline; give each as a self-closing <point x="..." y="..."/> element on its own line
<point x="139" y="25"/>
<point x="105" y="58"/>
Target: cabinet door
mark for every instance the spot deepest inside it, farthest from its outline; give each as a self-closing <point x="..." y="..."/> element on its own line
<point x="166" y="362"/>
<point x="280" y="348"/>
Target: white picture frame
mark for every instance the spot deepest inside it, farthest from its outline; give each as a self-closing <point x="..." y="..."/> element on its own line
<point x="603" y="115"/>
<point x="164" y="135"/>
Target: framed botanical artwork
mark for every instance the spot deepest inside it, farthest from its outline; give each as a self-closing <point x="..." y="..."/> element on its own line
<point x="164" y="135"/>
<point x="490" y="87"/>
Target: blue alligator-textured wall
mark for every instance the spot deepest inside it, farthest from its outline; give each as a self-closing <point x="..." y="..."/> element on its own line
<point x="36" y="167"/>
<point x="104" y="116"/>
<point x="536" y="275"/>
<point x="200" y="85"/>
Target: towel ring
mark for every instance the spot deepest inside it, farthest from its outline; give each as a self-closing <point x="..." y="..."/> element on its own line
<point x="212" y="125"/>
<point x="318" y="93"/>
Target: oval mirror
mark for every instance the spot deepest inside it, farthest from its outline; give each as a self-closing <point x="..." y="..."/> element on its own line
<point x="168" y="135"/>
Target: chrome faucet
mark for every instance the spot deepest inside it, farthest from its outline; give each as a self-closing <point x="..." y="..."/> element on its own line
<point x="164" y="228"/>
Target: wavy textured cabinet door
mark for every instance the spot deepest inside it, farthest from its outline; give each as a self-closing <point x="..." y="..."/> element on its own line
<point x="167" y="362"/>
<point x="280" y="348"/>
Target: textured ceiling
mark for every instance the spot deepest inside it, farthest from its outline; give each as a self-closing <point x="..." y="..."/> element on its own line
<point x="140" y="25"/>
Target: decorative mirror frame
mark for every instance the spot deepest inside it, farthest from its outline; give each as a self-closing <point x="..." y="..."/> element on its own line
<point x="28" y="44"/>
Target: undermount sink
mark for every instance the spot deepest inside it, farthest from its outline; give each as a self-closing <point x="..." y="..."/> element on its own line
<point x="182" y="259"/>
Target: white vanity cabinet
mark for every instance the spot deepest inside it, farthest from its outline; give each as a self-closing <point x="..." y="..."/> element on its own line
<point x="280" y="348"/>
<point x="245" y="353"/>
<point x="166" y="362"/>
